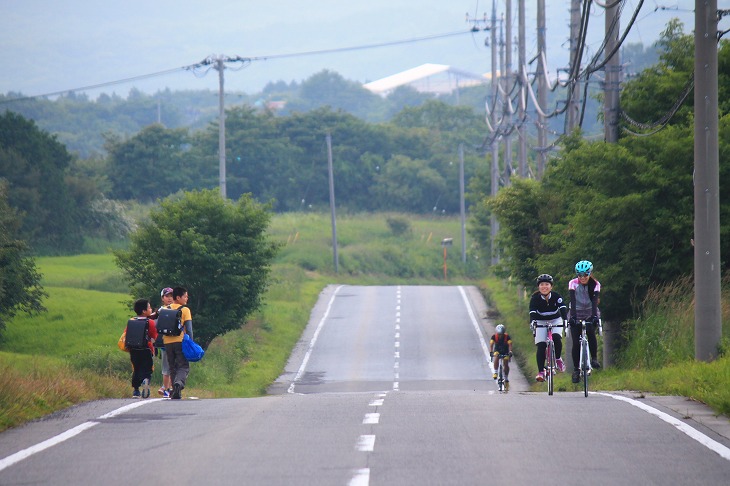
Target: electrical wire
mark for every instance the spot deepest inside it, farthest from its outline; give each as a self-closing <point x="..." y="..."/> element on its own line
<point x="208" y="61"/>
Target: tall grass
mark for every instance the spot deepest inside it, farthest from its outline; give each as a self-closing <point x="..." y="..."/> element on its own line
<point x="664" y="334"/>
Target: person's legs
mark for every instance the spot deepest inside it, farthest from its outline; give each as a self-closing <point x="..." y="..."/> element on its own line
<point x="541" y="347"/>
<point x="179" y="367"/>
<point x="575" y="332"/>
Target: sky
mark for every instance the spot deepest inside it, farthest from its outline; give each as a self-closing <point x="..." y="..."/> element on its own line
<point x="48" y="47"/>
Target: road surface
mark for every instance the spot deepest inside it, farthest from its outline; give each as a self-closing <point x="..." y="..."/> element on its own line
<point x="388" y="385"/>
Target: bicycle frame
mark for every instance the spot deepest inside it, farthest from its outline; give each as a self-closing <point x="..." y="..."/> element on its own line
<point x="551" y="365"/>
<point x="585" y="357"/>
<point x="500" y="371"/>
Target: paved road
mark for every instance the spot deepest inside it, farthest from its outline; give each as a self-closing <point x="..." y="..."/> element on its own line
<point x="389" y="385"/>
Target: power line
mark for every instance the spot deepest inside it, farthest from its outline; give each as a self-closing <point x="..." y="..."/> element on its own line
<point x="244" y="60"/>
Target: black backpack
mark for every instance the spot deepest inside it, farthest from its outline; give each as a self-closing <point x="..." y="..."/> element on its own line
<point x="169" y="322"/>
<point x="137" y="334"/>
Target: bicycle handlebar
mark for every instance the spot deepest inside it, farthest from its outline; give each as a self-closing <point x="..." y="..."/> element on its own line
<point x="548" y="325"/>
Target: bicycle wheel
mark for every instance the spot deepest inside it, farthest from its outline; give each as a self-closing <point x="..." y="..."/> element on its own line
<point x="550" y="368"/>
<point x="585" y="358"/>
<point x="500" y="376"/>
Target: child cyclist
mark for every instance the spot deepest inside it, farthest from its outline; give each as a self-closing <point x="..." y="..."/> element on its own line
<point x="547" y="307"/>
<point x="500" y="347"/>
<point x="584" y="296"/>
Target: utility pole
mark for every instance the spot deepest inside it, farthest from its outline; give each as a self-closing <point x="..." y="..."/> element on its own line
<point x="335" y="256"/>
<point x="613" y="68"/>
<point x="541" y="89"/>
<point x="462" y="204"/>
<point x="219" y="64"/>
<point x="494" y="224"/>
<point x="574" y="66"/>
<point x="708" y="315"/>
<point x="507" y="79"/>
<point x="522" y="59"/>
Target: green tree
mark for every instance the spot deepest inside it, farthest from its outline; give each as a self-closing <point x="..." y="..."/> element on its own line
<point x="218" y="249"/>
<point x="652" y="94"/>
<point x="330" y="89"/>
<point x="150" y="165"/>
<point x="20" y="282"/>
<point x="36" y="165"/>
<point x="409" y="185"/>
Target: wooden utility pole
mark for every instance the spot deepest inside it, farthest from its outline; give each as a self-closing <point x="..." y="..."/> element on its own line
<point x="220" y="67"/>
<point x="522" y="60"/>
<point x="219" y="64"/>
<point x="462" y="203"/>
<point x="507" y="80"/>
<point x="613" y="71"/>
<point x="707" y="270"/>
<point x="330" y="171"/>
<point x="493" y="223"/>
<point x="574" y="66"/>
<point x="541" y="89"/>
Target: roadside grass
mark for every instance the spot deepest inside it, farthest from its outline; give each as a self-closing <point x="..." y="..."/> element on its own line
<point x="32" y="386"/>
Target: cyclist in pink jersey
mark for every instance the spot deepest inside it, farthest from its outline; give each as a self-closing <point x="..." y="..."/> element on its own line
<point x="584" y="298"/>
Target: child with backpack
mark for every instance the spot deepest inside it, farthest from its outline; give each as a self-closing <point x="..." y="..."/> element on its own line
<point x="166" y="388"/>
<point x="140" y="335"/>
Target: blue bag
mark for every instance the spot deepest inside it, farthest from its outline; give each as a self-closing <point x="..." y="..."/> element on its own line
<point x="191" y="349"/>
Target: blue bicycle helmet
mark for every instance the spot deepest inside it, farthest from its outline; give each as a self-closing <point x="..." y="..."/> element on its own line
<point x="583" y="267"/>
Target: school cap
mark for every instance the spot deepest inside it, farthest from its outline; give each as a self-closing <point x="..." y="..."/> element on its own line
<point x="165" y="291"/>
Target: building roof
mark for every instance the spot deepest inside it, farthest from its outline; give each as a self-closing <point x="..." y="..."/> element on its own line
<point x="431" y="78"/>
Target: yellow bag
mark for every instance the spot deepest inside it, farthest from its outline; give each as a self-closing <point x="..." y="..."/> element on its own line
<point x="121" y="344"/>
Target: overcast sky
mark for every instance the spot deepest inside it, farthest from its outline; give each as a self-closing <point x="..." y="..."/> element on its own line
<point x="49" y="46"/>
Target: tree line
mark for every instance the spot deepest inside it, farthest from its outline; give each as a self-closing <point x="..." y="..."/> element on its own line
<point x="629" y="206"/>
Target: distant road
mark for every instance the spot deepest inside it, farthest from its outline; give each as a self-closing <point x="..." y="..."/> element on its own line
<point x="388" y="385"/>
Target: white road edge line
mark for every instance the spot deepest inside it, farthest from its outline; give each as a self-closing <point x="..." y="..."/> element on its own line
<point x="313" y="341"/>
<point x="485" y="348"/>
<point x="695" y="434"/>
<point x="63" y="436"/>
<point x="361" y="478"/>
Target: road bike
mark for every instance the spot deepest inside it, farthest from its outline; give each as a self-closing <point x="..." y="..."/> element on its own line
<point x="502" y="385"/>
<point x="551" y="365"/>
<point x="585" y="357"/>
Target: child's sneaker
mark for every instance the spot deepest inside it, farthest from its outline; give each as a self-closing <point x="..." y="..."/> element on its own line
<point x="166" y="394"/>
<point x="135" y="393"/>
<point x="494" y="376"/>
<point x="161" y="391"/>
<point x="540" y="376"/>
<point x="561" y="365"/>
<point x="146" y="388"/>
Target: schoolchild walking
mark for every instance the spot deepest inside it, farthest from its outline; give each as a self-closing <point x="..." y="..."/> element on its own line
<point x="140" y="336"/>
<point x="179" y="365"/>
<point x="166" y="389"/>
<point x="547" y="306"/>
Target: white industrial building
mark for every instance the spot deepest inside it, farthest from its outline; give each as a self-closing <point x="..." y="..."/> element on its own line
<point x="428" y="78"/>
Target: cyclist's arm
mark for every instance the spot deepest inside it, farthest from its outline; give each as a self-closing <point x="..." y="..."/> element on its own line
<point x="572" y="312"/>
<point x="594" y="303"/>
